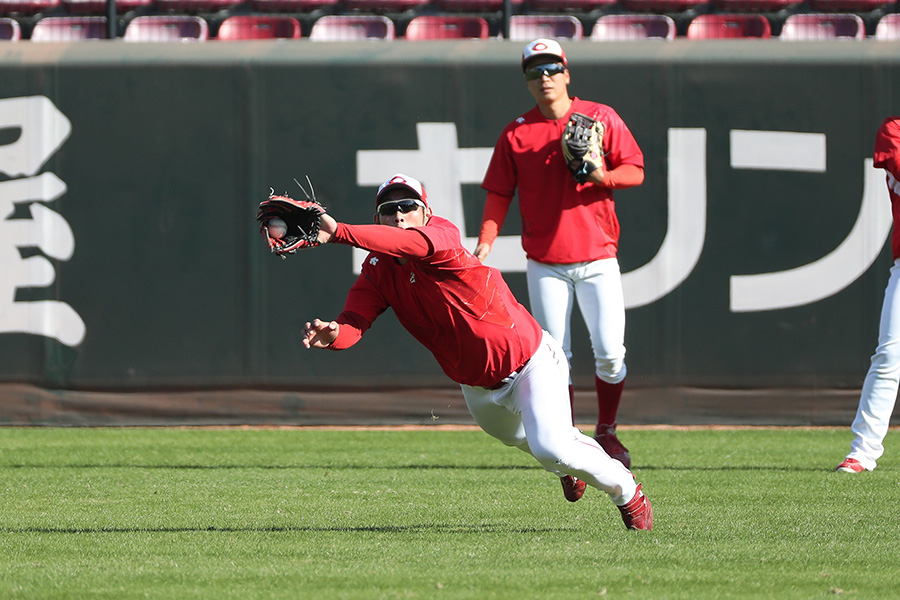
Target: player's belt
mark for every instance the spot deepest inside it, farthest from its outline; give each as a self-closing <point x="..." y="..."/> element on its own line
<point x="508" y="379"/>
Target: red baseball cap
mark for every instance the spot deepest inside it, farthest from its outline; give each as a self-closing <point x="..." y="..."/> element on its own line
<point x="402" y="181"/>
<point x="544" y="47"/>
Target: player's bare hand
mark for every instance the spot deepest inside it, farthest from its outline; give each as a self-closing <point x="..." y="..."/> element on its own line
<point x="482" y="250"/>
<point x="327" y="228"/>
<point x="320" y="334"/>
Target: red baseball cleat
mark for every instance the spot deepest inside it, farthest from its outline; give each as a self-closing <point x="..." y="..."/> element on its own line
<point x="573" y="488"/>
<point x="850" y="465"/>
<point x="638" y="514"/>
<point x="606" y="437"/>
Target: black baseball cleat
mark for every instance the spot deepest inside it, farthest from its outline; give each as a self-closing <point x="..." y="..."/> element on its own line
<point x="573" y="488"/>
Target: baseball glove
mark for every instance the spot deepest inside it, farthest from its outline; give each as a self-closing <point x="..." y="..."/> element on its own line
<point x="301" y="221"/>
<point x="582" y="145"/>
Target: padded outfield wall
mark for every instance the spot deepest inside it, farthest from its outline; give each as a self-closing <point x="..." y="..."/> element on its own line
<point x="755" y="253"/>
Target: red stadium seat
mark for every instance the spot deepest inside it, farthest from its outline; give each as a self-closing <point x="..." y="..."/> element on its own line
<point x="258" y="27"/>
<point x="68" y="29"/>
<point x="754" y="6"/>
<point x="10" y="30"/>
<point x="98" y="7"/>
<point x="569" y="5"/>
<point x="443" y="27"/>
<point x="376" y="6"/>
<point x="167" y="28"/>
<point x="724" y="26"/>
<point x="609" y="28"/>
<point x="27" y="7"/>
<point x="823" y="26"/>
<point x="663" y="6"/>
<point x="195" y="6"/>
<point x="851" y="6"/>
<point x="888" y="27"/>
<point x="337" y="28"/>
<point x="473" y="5"/>
<point x="523" y="28"/>
<point x="290" y="6"/>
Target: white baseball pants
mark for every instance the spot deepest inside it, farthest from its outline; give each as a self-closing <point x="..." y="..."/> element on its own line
<point x="879" y="391"/>
<point x="532" y="412"/>
<point x="597" y="286"/>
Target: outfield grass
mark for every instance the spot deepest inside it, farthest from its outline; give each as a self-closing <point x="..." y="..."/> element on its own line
<point x="187" y="513"/>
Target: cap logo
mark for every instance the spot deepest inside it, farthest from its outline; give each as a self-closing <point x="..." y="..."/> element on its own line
<point x="539" y="46"/>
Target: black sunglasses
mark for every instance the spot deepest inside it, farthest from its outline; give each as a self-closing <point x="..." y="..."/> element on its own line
<point x="541" y="70"/>
<point x="391" y="207"/>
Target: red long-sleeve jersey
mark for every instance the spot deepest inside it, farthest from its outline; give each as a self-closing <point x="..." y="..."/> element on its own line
<point x="457" y="307"/>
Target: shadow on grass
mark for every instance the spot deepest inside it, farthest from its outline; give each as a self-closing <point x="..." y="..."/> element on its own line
<point x="796" y="469"/>
<point x="274" y="467"/>
<point x="414" y="528"/>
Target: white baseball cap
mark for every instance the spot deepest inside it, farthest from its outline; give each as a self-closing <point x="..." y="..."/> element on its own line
<point x="402" y="181"/>
<point x="541" y="47"/>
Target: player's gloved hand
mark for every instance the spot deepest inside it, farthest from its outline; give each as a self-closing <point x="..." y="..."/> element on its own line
<point x="582" y="146"/>
<point x="301" y="217"/>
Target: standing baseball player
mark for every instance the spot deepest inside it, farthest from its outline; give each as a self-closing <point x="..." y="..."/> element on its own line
<point x="879" y="391"/>
<point x="565" y="157"/>
<point x="513" y="375"/>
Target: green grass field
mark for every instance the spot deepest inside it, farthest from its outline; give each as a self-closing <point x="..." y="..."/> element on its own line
<point x="205" y="513"/>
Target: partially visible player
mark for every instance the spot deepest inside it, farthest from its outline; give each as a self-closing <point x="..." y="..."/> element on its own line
<point x="570" y="231"/>
<point x="879" y="391"/>
<point x="513" y="375"/>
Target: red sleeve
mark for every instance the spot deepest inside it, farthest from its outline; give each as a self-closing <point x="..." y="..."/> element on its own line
<point x="393" y="241"/>
<point x="621" y="147"/>
<point x="495" y="208"/>
<point x="623" y="176"/>
<point x="887" y="146"/>
<point x="363" y="305"/>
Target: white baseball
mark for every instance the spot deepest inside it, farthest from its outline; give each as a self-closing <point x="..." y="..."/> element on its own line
<point x="277" y="228"/>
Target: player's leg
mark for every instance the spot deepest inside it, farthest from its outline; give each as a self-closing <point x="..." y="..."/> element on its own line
<point x="551" y="294"/>
<point x="539" y="395"/>
<point x="879" y="391"/>
<point x="602" y="303"/>
<point x="495" y="419"/>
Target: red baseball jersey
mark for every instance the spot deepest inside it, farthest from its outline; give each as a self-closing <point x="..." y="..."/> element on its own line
<point x="457" y="307"/>
<point x="563" y="221"/>
<point x="887" y="157"/>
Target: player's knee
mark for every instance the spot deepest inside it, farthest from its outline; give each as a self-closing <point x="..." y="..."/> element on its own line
<point x="610" y="370"/>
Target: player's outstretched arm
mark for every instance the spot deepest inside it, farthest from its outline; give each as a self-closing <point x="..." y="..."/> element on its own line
<point x="320" y="334"/>
<point x="327" y="227"/>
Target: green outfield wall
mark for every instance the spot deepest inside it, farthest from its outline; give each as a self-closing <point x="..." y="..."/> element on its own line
<point x="754" y="254"/>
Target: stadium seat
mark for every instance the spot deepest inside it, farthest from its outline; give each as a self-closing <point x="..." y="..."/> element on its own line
<point x="259" y="27"/>
<point x="823" y="26"/>
<point x="98" y="7"/>
<point x="559" y="6"/>
<point x="195" y="6"/>
<point x="523" y="28"/>
<point x="10" y="30"/>
<point x="888" y="27"/>
<point x="610" y="28"/>
<point x="290" y="6"/>
<point x="664" y="6"/>
<point x="337" y="28"/>
<point x="850" y="6"/>
<point x="69" y="29"/>
<point x="167" y="28"/>
<point x="473" y="5"/>
<point x="377" y="6"/>
<point x="445" y="27"/>
<point x="27" y="7"/>
<point x="754" y="6"/>
<point x="725" y="26"/>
